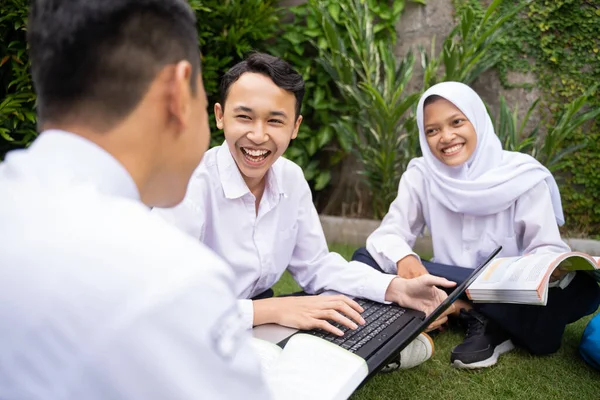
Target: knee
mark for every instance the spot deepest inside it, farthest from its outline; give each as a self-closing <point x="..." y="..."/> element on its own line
<point x="360" y="253"/>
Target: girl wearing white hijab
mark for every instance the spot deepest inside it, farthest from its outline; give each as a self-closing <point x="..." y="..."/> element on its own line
<point x="473" y="196"/>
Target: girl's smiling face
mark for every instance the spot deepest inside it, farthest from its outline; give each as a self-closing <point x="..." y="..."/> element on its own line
<point x="450" y="135"/>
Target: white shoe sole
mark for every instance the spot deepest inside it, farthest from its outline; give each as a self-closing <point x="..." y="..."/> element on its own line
<point x="502" y="348"/>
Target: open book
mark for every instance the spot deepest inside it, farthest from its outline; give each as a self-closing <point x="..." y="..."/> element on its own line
<point x="525" y="279"/>
<point x="309" y="368"/>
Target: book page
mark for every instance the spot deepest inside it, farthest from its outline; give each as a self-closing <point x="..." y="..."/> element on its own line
<point x="267" y="352"/>
<point x="313" y="368"/>
<point x="516" y="273"/>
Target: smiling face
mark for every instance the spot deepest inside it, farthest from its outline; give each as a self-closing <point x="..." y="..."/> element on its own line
<point x="450" y="135"/>
<point x="259" y="120"/>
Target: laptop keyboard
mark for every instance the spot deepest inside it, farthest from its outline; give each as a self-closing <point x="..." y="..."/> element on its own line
<point x="377" y="317"/>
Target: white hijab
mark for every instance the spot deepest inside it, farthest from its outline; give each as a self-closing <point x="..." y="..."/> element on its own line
<point x="492" y="179"/>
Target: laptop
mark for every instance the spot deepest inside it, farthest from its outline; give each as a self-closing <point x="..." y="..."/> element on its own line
<point x="389" y="328"/>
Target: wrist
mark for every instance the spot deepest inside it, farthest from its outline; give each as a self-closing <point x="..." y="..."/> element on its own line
<point x="265" y="311"/>
<point x="394" y="289"/>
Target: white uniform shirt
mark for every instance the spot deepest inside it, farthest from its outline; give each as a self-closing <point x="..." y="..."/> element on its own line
<point x="220" y="211"/>
<point x="528" y="226"/>
<point x="98" y="300"/>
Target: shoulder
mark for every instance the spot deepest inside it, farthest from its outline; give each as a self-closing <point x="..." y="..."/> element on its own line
<point x="205" y="177"/>
<point x="538" y="191"/>
<point x="291" y="176"/>
<point x="414" y="177"/>
<point x="289" y="169"/>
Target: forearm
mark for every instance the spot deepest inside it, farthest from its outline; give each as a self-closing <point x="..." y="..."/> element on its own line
<point x="266" y="311"/>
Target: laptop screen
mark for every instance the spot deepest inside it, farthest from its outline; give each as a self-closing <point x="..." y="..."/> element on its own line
<point x="459" y="290"/>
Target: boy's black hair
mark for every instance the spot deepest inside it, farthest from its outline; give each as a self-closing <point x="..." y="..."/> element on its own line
<point x="281" y="73"/>
<point x="95" y="59"/>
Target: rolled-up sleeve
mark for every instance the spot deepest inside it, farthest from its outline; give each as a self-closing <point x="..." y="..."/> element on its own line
<point x="396" y="235"/>
<point x="316" y="269"/>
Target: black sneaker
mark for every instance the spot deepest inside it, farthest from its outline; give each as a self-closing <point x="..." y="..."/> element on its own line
<point x="483" y="344"/>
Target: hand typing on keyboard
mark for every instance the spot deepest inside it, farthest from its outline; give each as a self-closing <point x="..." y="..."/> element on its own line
<point x="329" y="313"/>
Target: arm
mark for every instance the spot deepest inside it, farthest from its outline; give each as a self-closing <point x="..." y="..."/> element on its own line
<point x="536" y="225"/>
<point x="316" y="269"/>
<point x="391" y="244"/>
<point x="535" y="222"/>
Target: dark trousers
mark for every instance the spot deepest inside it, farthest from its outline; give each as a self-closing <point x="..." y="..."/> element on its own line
<point x="538" y="329"/>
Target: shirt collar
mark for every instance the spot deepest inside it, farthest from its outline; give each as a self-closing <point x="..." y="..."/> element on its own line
<point x="84" y="161"/>
<point x="232" y="181"/>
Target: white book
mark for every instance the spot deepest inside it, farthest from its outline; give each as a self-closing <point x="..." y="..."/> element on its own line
<point x="309" y="367"/>
<point x="525" y="279"/>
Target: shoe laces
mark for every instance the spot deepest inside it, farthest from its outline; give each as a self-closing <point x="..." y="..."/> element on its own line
<point x="475" y="322"/>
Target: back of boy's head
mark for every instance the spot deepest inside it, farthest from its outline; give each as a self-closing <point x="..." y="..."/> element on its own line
<point x="280" y="72"/>
<point x="93" y="60"/>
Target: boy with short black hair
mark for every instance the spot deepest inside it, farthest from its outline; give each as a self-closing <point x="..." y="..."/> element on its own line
<point x="254" y="208"/>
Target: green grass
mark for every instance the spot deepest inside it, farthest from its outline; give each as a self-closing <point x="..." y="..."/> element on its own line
<point x="517" y="375"/>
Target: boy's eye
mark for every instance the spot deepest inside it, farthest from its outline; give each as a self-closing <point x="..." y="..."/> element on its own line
<point x="242" y="116"/>
<point x="276" y="121"/>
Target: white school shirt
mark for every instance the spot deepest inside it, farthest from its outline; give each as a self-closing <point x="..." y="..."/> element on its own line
<point x="219" y="210"/>
<point x="99" y="300"/>
<point x="527" y="226"/>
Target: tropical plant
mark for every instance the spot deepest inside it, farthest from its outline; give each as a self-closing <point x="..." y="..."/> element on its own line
<point x="227" y="31"/>
<point x="373" y="83"/>
<point x="17" y="99"/>
<point x="552" y="148"/>
<point x="318" y="146"/>
<point x="512" y="133"/>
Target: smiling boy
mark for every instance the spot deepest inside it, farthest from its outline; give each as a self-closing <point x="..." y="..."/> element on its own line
<point x="254" y="208"/>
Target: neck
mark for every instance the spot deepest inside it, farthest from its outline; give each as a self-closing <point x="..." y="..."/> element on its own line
<point x="122" y="145"/>
<point x="256" y="185"/>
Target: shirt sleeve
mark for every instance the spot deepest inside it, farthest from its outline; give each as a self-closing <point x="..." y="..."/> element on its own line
<point x="246" y="307"/>
<point x="536" y="223"/>
<point x="316" y="269"/>
<point x="396" y="235"/>
<point x="534" y="216"/>
<point x="187" y="343"/>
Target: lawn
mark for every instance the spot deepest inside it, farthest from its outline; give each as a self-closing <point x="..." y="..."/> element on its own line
<point x="516" y="376"/>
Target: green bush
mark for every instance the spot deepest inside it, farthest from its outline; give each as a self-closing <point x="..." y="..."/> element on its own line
<point x="372" y="83"/>
<point x="319" y="146"/>
<point x="17" y="100"/>
<point x="228" y="30"/>
<point x="559" y="42"/>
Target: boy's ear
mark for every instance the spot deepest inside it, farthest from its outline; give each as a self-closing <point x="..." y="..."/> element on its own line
<point x="297" y="127"/>
<point x="219" y="115"/>
<point x="181" y="96"/>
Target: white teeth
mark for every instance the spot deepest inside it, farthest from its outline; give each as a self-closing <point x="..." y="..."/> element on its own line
<point x="256" y="153"/>
<point x="452" y="149"/>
